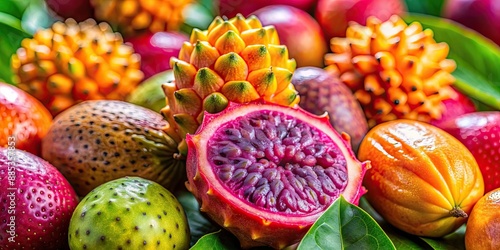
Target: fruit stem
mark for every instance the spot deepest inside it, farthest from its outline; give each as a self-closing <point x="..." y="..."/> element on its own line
<point x="458" y="212"/>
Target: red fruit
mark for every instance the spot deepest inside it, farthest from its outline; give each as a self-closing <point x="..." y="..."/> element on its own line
<point x="24" y="121"/>
<point x="334" y="15"/>
<point x="480" y="133"/>
<point x="36" y="203"/>
<point x="480" y="15"/>
<point x="156" y="49"/>
<point x="321" y="91"/>
<point x="230" y="8"/>
<point x="297" y="30"/>
<point x="266" y="172"/>
<point x="80" y="10"/>
<point x="457" y="104"/>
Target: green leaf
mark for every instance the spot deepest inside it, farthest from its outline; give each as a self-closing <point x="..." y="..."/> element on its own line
<point x="10" y="41"/>
<point x="14" y="7"/>
<point x="477" y="58"/>
<point x="198" y="224"/>
<point x="345" y="226"/>
<point x="220" y="240"/>
<point x="429" y="7"/>
<point x="454" y="241"/>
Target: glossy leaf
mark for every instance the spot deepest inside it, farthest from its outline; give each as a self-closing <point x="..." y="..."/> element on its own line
<point x="429" y="7"/>
<point x="10" y="41"/>
<point x="477" y="58"/>
<point x="220" y="240"/>
<point x="454" y="241"/>
<point x="345" y="226"/>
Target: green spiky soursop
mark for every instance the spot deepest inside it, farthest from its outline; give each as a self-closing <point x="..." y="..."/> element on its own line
<point x="129" y="213"/>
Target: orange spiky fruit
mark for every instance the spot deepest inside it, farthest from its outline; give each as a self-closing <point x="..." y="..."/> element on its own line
<point x="236" y="60"/>
<point x="72" y="62"/>
<point x="132" y="16"/>
<point x="395" y="70"/>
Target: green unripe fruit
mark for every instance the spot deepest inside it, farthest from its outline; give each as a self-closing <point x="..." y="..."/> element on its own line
<point x="129" y="213"/>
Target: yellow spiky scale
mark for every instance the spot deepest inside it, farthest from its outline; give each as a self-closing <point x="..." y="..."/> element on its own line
<point x="395" y="70"/>
<point x="264" y="81"/>
<point x="231" y="67"/>
<point x="71" y="62"/>
<point x="206" y="82"/>
<point x="186" y="123"/>
<point x="230" y="42"/>
<point x="187" y="101"/>
<point x="257" y="57"/>
<point x="231" y="61"/>
<point x="215" y="103"/>
<point x="203" y="55"/>
<point x="240" y="91"/>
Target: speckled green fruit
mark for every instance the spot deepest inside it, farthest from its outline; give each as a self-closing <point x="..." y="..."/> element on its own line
<point x="129" y="213"/>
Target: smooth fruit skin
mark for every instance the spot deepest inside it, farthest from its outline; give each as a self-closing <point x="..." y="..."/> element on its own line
<point x="156" y="49"/>
<point x="457" y="105"/>
<point x="129" y="213"/>
<point x="79" y="10"/>
<point x="322" y="92"/>
<point x="252" y="224"/>
<point x="230" y="8"/>
<point x="24" y="121"/>
<point x="423" y="180"/>
<point x="483" y="226"/>
<point x="334" y="15"/>
<point x="480" y="15"/>
<point x="297" y="30"/>
<point x="36" y="202"/>
<point x="480" y="133"/>
<point x="149" y="93"/>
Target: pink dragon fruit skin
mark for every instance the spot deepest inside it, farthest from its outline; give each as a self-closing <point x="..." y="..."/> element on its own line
<point x="156" y="49"/>
<point x="36" y="204"/>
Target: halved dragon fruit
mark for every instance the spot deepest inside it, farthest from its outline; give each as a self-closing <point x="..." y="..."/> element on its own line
<point x="266" y="172"/>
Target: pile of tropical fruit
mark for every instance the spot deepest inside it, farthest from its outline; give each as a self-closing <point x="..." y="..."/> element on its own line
<point x="299" y="124"/>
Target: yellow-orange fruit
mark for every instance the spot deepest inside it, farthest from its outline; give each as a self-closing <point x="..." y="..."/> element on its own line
<point x="483" y="226"/>
<point x="132" y="16"/>
<point x="423" y="180"/>
<point x="72" y="62"/>
<point x="394" y="69"/>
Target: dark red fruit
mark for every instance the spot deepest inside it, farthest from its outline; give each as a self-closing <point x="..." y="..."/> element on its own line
<point x="80" y="10"/>
<point x="322" y="92"/>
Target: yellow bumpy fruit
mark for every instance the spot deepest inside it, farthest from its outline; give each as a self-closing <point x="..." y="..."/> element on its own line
<point x="395" y="70"/>
<point x="132" y="16"/>
<point x="72" y="62"/>
<point x="235" y="60"/>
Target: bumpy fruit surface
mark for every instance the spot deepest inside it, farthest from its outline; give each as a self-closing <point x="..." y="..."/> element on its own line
<point x="97" y="141"/>
<point x="266" y="172"/>
<point x="24" y="121"/>
<point x="133" y="16"/>
<point x="480" y="133"/>
<point x="39" y="197"/>
<point x="395" y="70"/>
<point x="72" y="62"/>
<point x="129" y="213"/>
<point x="423" y="180"/>
<point x="483" y="226"/>
<point x="322" y="92"/>
<point x="235" y="60"/>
